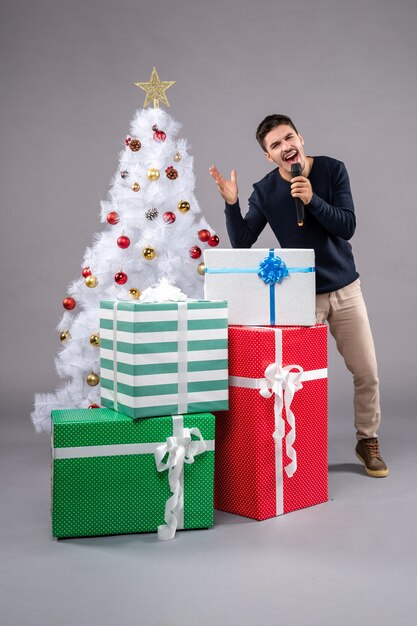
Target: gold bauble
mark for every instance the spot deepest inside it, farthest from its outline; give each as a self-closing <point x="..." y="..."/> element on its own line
<point x="152" y="173"/>
<point x="183" y="206"/>
<point x="134" y="293"/>
<point x="95" y="340"/>
<point x="92" y="379"/>
<point x="201" y="268"/>
<point x="135" y="186"/>
<point x="65" y="336"/>
<point x="91" y="281"/>
<point x="177" y="157"/>
<point x="148" y="253"/>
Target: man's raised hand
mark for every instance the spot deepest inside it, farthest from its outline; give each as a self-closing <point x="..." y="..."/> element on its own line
<point x="228" y="188"/>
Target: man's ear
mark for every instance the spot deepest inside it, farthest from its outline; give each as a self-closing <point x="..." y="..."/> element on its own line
<point x="268" y="157"/>
<point x="301" y="139"/>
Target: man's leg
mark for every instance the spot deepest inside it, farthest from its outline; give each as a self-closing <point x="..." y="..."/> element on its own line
<point x="349" y="324"/>
<point x="322" y="307"/>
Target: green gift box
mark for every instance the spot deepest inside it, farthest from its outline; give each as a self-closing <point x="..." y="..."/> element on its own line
<point x="114" y="475"/>
<point x="163" y="358"/>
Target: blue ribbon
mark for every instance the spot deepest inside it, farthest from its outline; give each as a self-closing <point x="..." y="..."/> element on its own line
<point x="271" y="270"/>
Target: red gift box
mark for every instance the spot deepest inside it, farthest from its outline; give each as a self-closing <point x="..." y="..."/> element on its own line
<point x="271" y="445"/>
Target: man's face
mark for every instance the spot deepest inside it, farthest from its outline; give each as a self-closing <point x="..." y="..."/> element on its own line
<point x="284" y="147"/>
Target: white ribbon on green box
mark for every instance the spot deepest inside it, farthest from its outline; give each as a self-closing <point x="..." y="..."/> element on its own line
<point x="179" y="448"/>
<point x="283" y="383"/>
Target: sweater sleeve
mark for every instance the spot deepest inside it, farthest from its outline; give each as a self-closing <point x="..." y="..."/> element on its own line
<point x="338" y="218"/>
<point x="244" y="231"/>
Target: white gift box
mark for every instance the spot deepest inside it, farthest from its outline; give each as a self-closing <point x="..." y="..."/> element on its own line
<point x="274" y="287"/>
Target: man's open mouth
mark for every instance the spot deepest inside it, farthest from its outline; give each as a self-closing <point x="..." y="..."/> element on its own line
<point x="291" y="156"/>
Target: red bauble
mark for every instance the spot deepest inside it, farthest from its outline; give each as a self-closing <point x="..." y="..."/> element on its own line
<point x="94" y="406"/>
<point x="123" y="242"/>
<point x="158" y="135"/>
<point x="86" y="272"/>
<point x="195" y="252"/>
<point x="204" y="234"/>
<point x="128" y="140"/>
<point x="112" y="218"/>
<point x="169" y="217"/>
<point x="120" y="278"/>
<point x="69" y="303"/>
<point x="213" y="241"/>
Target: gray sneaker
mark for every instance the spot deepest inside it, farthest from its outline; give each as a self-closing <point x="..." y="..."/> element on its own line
<point x="367" y="451"/>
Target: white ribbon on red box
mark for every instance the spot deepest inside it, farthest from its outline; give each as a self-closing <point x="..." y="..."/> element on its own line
<point x="278" y="380"/>
<point x="283" y="383"/>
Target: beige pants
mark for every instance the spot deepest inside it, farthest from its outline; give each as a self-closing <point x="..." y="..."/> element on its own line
<point x="346" y="314"/>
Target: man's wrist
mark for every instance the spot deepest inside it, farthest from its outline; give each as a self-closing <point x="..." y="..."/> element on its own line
<point x="315" y="201"/>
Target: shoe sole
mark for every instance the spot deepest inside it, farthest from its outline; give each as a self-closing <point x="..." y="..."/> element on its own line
<point x="374" y="473"/>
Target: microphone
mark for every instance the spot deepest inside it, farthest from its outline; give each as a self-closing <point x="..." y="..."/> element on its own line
<point x="296" y="170"/>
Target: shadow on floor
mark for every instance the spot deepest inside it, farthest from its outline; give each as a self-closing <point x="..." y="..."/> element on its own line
<point x="351" y="468"/>
<point x="229" y="518"/>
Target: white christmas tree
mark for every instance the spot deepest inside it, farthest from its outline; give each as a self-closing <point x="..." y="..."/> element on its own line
<point x="154" y="229"/>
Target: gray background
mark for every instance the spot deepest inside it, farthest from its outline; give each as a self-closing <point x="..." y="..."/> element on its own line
<point x="346" y="73"/>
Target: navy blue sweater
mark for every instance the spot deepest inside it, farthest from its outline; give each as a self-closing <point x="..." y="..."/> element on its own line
<point x="329" y="220"/>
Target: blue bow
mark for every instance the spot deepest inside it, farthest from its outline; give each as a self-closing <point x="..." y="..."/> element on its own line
<point x="272" y="269"/>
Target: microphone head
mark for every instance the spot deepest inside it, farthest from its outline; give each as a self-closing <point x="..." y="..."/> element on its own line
<point x="296" y="169"/>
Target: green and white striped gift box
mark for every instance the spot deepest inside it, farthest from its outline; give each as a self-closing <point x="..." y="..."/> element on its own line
<point x="163" y="358"/>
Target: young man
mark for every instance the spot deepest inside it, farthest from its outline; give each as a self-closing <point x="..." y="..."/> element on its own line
<point x="329" y="223"/>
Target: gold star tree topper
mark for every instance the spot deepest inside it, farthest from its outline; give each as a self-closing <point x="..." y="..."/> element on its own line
<point x="155" y="90"/>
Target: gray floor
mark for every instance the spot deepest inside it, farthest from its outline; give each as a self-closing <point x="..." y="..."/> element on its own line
<point x="349" y="561"/>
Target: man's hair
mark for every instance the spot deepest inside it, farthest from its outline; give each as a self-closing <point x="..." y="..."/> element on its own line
<point x="270" y="122"/>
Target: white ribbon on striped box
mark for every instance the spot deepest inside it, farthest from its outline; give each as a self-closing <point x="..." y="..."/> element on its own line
<point x="182" y="357"/>
<point x="283" y="382"/>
